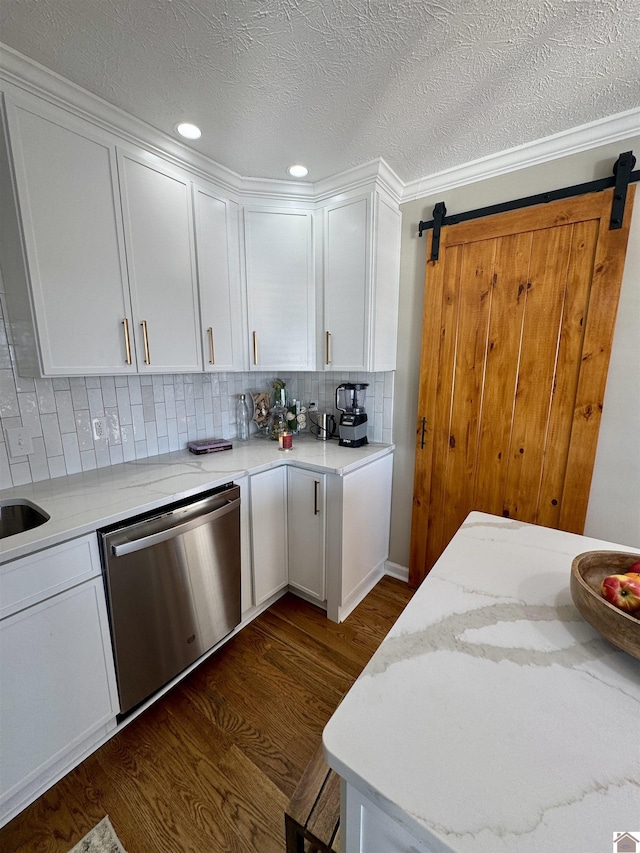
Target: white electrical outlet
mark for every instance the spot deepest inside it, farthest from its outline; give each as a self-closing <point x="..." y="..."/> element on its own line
<point x="99" y="428"/>
<point x="19" y="441"/>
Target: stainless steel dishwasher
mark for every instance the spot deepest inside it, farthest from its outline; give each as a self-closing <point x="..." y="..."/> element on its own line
<point x="172" y="579"/>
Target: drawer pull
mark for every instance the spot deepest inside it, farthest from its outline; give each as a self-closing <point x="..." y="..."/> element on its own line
<point x="127" y="340"/>
<point x="145" y="337"/>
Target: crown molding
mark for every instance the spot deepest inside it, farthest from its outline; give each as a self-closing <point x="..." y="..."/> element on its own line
<point x="360" y="177"/>
<point x="25" y="74"/>
<point x="29" y="76"/>
<point x="611" y="129"/>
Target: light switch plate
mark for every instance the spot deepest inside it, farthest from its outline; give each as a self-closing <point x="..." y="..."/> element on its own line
<point x="19" y="442"/>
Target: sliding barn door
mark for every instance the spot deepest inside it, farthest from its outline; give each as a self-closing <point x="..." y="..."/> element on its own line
<point x="519" y="313"/>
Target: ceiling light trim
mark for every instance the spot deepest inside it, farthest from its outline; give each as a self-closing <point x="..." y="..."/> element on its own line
<point x="583" y="138"/>
<point x="188" y="130"/>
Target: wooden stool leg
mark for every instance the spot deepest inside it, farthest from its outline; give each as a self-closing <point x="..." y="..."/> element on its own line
<point x="294" y="838"/>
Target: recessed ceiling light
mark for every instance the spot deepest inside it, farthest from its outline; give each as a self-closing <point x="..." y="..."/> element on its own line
<point x="189" y="131"/>
<point x="298" y="171"/>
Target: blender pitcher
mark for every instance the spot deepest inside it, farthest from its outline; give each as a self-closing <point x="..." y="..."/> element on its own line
<point x="350" y="401"/>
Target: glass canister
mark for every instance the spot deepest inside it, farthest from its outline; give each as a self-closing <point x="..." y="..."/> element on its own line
<point x="277" y="422"/>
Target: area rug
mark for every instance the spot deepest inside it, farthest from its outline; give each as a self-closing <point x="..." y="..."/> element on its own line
<point x="101" y="839"/>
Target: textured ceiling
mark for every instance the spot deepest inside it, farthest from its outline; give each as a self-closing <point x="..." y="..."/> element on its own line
<point x="424" y="84"/>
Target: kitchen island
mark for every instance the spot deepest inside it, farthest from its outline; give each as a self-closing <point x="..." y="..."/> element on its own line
<point x="492" y="717"/>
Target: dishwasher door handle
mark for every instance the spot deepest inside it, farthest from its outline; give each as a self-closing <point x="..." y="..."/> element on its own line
<point x="171" y="532"/>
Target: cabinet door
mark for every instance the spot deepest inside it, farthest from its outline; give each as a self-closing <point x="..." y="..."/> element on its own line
<point x="306" y="532"/>
<point x="217" y="254"/>
<point x="67" y="195"/>
<point x="156" y="206"/>
<point x="347" y="272"/>
<point x="280" y="288"/>
<point x="361" y="283"/>
<point x="58" y="687"/>
<point x="269" y="532"/>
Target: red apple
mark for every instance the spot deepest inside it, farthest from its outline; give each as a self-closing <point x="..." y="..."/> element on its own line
<point x="622" y="591"/>
<point x="634" y="570"/>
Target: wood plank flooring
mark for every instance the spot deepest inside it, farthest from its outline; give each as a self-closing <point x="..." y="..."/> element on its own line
<point x="211" y="766"/>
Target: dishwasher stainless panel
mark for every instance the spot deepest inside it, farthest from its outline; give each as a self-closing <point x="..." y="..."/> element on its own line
<point x="173" y="589"/>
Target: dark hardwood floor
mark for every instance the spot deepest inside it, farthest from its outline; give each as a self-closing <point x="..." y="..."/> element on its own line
<point x="211" y="766"/>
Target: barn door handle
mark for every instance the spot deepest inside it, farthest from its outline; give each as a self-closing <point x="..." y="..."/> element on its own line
<point x="424" y="427"/>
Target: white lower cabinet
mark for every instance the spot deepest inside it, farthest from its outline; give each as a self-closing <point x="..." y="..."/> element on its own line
<point x="358" y="521"/>
<point x="58" y="692"/>
<point x="269" y="532"/>
<point x="365" y="828"/>
<point x="324" y="536"/>
<point x="306" y="521"/>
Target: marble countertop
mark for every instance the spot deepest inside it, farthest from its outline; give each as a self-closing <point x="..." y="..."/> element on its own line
<point x="493" y="717"/>
<point x="80" y="503"/>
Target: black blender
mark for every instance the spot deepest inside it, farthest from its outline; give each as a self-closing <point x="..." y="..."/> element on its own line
<point x="352" y="429"/>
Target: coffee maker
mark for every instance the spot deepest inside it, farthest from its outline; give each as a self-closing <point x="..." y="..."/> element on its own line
<point x="352" y="429"/>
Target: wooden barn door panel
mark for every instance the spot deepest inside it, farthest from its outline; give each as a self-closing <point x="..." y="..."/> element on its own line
<point x="518" y="322"/>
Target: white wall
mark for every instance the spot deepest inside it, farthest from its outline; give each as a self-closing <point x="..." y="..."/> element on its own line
<point x="614" y="505"/>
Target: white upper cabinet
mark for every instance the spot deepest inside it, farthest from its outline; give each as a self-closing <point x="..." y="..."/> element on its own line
<point x="61" y="243"/>
<point x="156" y="206"/>
<point x="218" y="262"/>
<point x="280" y="288"/>
<point x="361" y="262"/>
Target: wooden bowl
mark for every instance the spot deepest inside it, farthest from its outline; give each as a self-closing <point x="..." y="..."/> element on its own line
<point x="588" y="570"/>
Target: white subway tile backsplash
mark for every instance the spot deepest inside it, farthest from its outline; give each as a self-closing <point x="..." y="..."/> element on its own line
<point x="6" y="480"/>
<point x="51" y="433"/>
<point x="137" y="413"/>
<point x="79" y="393"/>
<point x="116" y="455"/>
<point x="29" y="412"/>
<point x="71" y="452"/>
<point x="57" y="467"/>
<point x="107" y="383"/>
<point x="45" y="395"/>
<point x="96" y="405"/>
<point x="84" y="430"/>
<point x="88" y="460"/>
<point x="66" y="415"/>
<point x="9" y="407"/>
<point x="149" y="414"/>
<point x="135" y="390"/>
<point x="21" y="474"/>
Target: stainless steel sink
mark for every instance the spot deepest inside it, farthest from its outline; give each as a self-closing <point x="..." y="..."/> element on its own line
<point x="17" y="516"/>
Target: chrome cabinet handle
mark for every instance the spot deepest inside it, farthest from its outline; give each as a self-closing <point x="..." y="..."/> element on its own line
<point x="316" y="485"/>
<point x="145" y="337"/>
<point x="212" y="357"/>
<point x="255" y="347"/>
<point x="127" y="340"/>
<point x="328" y="348"/>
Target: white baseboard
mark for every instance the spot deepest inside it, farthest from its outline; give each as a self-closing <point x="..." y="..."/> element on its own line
<point x="395" y="570"/>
